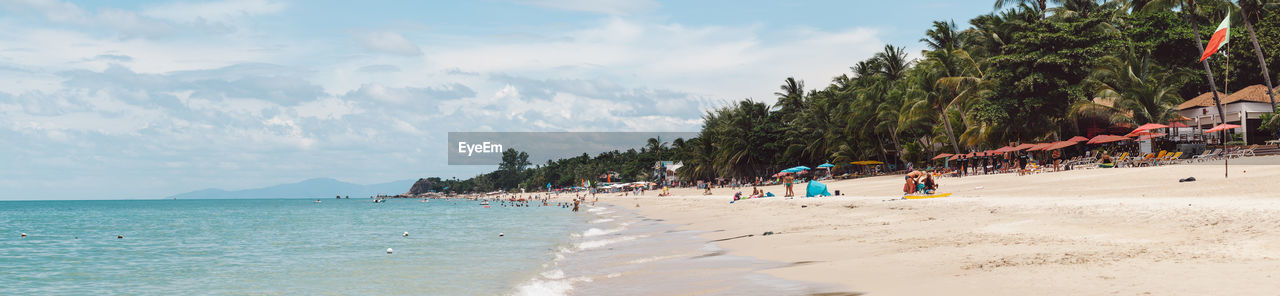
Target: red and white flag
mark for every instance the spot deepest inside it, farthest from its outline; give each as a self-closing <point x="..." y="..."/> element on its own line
<point x="1219" y="38"/>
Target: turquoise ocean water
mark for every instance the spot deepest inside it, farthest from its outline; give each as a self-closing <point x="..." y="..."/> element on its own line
<point x="276" y="247"/>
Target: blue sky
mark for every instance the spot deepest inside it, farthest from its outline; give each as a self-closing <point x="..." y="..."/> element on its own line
<point x="145" y="99"/>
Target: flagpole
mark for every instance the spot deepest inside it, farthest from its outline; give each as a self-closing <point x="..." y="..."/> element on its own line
<point x="1213" y="87"/>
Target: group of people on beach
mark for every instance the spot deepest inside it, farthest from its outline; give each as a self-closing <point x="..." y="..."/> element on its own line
<point x="919" y="182"/>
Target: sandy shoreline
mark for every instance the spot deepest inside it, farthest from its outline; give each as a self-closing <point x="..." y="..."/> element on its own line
<point x="1131" y="231"/>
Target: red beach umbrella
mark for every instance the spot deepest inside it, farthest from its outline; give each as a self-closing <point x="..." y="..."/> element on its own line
<point x="942" y="155"/>
<point x="1024" y="146"/>
<point x="1148" y="137"/>
<point x="1040" y="147"/>
<point x="1063" y="144"/>
<point x="1100" y="139"/>
<point x="1078" y="139"/>
<point x="1221" y="127"/>
<point x="1149" y="126"/>
<point x="1177" y="124"/>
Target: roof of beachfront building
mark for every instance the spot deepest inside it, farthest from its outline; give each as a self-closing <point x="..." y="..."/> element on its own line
<point x="1202" y="100"/>
<point x="1253" y="93"/>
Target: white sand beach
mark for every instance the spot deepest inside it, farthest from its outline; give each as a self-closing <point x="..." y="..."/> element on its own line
<point x="1128" y="231"/>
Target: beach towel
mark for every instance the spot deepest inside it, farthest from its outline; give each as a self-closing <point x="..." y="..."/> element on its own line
<point x="816" y="189"/>
<point x="768" y="194"/>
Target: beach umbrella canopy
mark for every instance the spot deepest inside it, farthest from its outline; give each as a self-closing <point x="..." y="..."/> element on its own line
<point x="1221" y="127"/>
<point x="1060" y="145"/>
<point x="802" y="168"/>
<point x="826" y="165"/>
<point x="1078" y="139"/>
<point x="942" y="155"/>
<point x="1149" y="126"/>
<point x="792" y="170"/>
<point x="780" y="174"/>
<point x="1177" y="124"/>
<point x="1040" y="147"/>
<point x="1139" y="133"/>
<point x="1148" y="137"/>
<point x="1024" y="146"/>
<point x="1101" y="139"/>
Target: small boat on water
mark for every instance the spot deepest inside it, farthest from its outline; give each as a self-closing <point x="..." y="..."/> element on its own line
<point x="484" y="203"/>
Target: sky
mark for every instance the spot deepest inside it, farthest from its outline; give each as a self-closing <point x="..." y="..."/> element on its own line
<point x="146" y="99"/>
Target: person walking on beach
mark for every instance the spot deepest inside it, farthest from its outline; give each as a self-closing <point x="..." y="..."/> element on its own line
<point x="787" y="180"/>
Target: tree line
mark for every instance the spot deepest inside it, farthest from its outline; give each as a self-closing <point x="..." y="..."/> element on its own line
<point x="1031" y="71"/>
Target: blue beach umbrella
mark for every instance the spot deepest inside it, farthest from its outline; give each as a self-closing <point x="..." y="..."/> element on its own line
<point x="802" y="168"/>
<point x="826" y="165"/>
<point x="792" y="170"/>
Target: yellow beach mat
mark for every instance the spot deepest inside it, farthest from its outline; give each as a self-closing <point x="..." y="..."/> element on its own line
<point x="926" y="196"/>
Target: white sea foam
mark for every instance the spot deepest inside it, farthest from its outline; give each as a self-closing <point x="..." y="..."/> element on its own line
<point x="592" y="244"/>
<point x="548" y="287"/>
<point x="598" y="232"/>
<point x="554" y="274"/>
<point x="655" y="258"/>
<point x="597" y="221"/>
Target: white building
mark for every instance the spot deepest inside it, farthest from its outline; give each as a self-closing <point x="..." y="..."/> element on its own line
<point x="1248" y="103"/>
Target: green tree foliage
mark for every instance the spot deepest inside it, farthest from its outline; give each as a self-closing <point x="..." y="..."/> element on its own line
<point x="1025" y="73"/>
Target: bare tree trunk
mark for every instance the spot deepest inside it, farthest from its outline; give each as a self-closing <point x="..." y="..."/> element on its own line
<point x="893" y="134"/>
<point x="1262" y="62"/>
<point x="946" y="122"/>
<point x="1213" y="87"/>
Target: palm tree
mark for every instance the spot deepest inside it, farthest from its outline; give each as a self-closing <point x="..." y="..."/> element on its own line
<point x="1041" y="5"/>
<point x="791" y="98"/>
<point x="1141" y="92"/>
<point x="1252" y="10"/>
<point x="892" y="62"/>
<point x="1190" y="11"/>
<point x="945" y="36"/>
<point x="656" y="146"/>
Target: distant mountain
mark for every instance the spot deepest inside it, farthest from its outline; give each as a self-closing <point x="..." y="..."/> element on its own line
<point x="312" y="188"/>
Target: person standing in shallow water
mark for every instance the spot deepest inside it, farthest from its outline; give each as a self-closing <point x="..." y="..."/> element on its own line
<point x="575" y="205"/>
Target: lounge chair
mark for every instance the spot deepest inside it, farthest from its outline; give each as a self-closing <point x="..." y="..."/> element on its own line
<point x="1139" y="160"/>
<point x="1170" y="158"/>
<point x="1120" y="160"/>
<point x="1242" y="152"/>
<point x="1207" y="156"/>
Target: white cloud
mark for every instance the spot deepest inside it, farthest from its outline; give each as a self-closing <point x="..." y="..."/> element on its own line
<point x="213" y="12"/>
<point x="125" y="22"/>
<point x="724" y="62"/>
<point x="610" y="7"/>
<point x="330" y="108"/>
<point x="268" y="105"/>
<point x="388" y="42"/>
